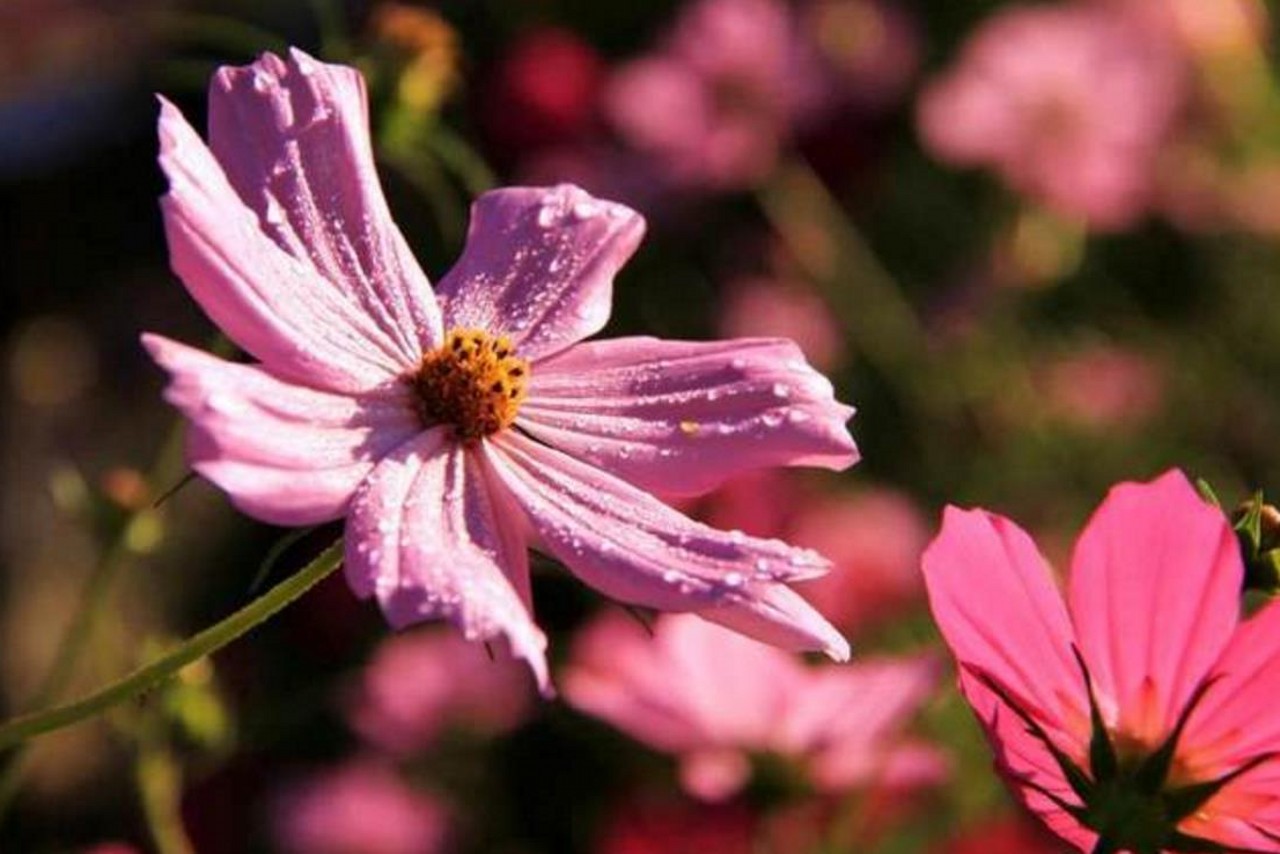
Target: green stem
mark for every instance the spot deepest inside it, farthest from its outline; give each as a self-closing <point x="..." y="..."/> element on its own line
<point x="864" y="295"/>
<point x="137" y="683"/>
<point x="461" y="159"/>
<point x="94" y="601"/>
<point x="160" y="786"/>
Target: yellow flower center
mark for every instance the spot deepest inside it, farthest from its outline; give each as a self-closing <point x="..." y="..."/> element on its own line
<point x="474" y="381"/>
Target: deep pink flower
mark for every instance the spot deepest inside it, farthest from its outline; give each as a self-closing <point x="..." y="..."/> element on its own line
<point x="1069" y="103"/>
<point x="715" y="699"/>
<point x="1013" y="834"/>
<point x="420" y="683"/>
<point x="453" y="430"/>
<point x="362" y="807"/>
<point x="1160" y="735"/>
<point x="677" y="827"/>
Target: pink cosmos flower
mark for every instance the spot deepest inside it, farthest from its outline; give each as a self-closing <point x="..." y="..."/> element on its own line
<point x="419" y="683"/>
<point x="1139" y="714"/>
<point x="763" y="306"/>
<point x="714" y="103"/>
<point x="362" y="807"/>
<point x="454" y="429"/>
<point x="1069" y="103"/>
<point x="715" y="699"/>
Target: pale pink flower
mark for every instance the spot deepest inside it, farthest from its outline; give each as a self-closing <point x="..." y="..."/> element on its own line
<point x="1070" y="104"/>
<point x="1102" y="387"/>
<point x="715" y="699"/>
<point x="362" y="807"/>
<point x="873" y="537"/>
<point x="764" y="306"/>
<point x="717" y="99"/>
<point x="419" y="684"/>
<point x="454" y="429"/>
<point x="1141" y="709"/>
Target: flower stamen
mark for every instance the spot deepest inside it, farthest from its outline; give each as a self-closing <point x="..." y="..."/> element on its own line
<point x="474" y="381"/>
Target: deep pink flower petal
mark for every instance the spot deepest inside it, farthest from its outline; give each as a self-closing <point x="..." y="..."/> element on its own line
<point x="539" y="266"/>
<point x="995" y="601"/>
<point x="284" y="453"/>
<point x="681" y="417"/>
<point x="293" y="137"/>
<point x="1155" y="590"/>
<point x="1026" y="763"/>
<point x="1233" y="722"/>
<point x="634" y="548"/>
<point x="425" y="538"/>
<point x="273" y="305"/>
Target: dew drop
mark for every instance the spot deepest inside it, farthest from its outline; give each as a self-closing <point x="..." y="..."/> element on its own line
<point x="798" y="416"/>
<point x="547" y="215"/>
<point x="781" y="390"/>
<point x="734" y="579"/>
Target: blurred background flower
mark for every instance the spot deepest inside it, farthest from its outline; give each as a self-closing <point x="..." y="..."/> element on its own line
<point x="1034" y="242"/>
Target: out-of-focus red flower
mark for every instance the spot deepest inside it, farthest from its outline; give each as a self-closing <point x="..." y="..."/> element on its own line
<point x="679" y="827"/>
<point x="1008" y="835"/>
<point x="543" y="92"/>
<point x="420" y="683"/>
<point x="111" y="848"/>
<point x="1070" y="104"/>
<point x="359" y="808"/>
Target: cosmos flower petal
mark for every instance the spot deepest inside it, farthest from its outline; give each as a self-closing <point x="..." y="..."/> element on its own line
<point x="681" y="417"/>
<point x="634" y="548"/>
<point x="423" y="537"/>
<point x="285" y="453"/>
<point x="539" y="265"/>
<point x="779" y="616"/>
<point x="293" y="137"/>
<point x="1235" y="721"/>
<point x="273" y="305"/>
<point x="1155" y="587"/>
<point x="1017" y="631"/>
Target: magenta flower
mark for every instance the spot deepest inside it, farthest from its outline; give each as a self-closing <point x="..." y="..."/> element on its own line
<point x="419" y="684"/>
<point x="716" y="700"/>
<point x="361" y="807"/>
<point x="1137" y="716"/>
<point x="452" y="430"/>
<point x="1069" y="103"/>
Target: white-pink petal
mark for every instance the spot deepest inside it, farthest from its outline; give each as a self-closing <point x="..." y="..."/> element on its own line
<point x="293" y="137"/>
<point x="538" y="266"/>
<point x="631" y="546"/>
<point x="425" y="538"/>
<point x="681" y="417"/>
<point x="283" y="452"/>
<point x="276" y="307"/>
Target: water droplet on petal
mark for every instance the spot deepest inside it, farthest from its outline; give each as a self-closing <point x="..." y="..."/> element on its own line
<point x="798" y="416"/>
<point x="546" y="215"/>
<point x="781" y="390"/>
<point x="733" y="579"/>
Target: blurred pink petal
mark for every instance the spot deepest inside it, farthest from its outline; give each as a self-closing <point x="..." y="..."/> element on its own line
<point x="1069" y="104"/>
<point x="1103" y="387"/>
<point x="358" y="808"/>
<point x="1011" y="835"/>
<point x="419" y="684"/>
<point x="681" y="417"/>
<point x="874" y="539"/>
<point x="715" y="699"/>
<point x="713" y="104"/>
<point x="765" y="308"/>
<point x="373" y="401"/>
<point x="1154" y="603"/>
<point x="678" y="828"/>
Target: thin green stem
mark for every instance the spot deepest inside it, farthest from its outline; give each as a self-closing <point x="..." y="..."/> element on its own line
<point x="145" y="678"/>
<point x="95" y="600"/>
<point x="159" y="778"/>
<point x="461" y="159"/>
<point x="861" y="292"/>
